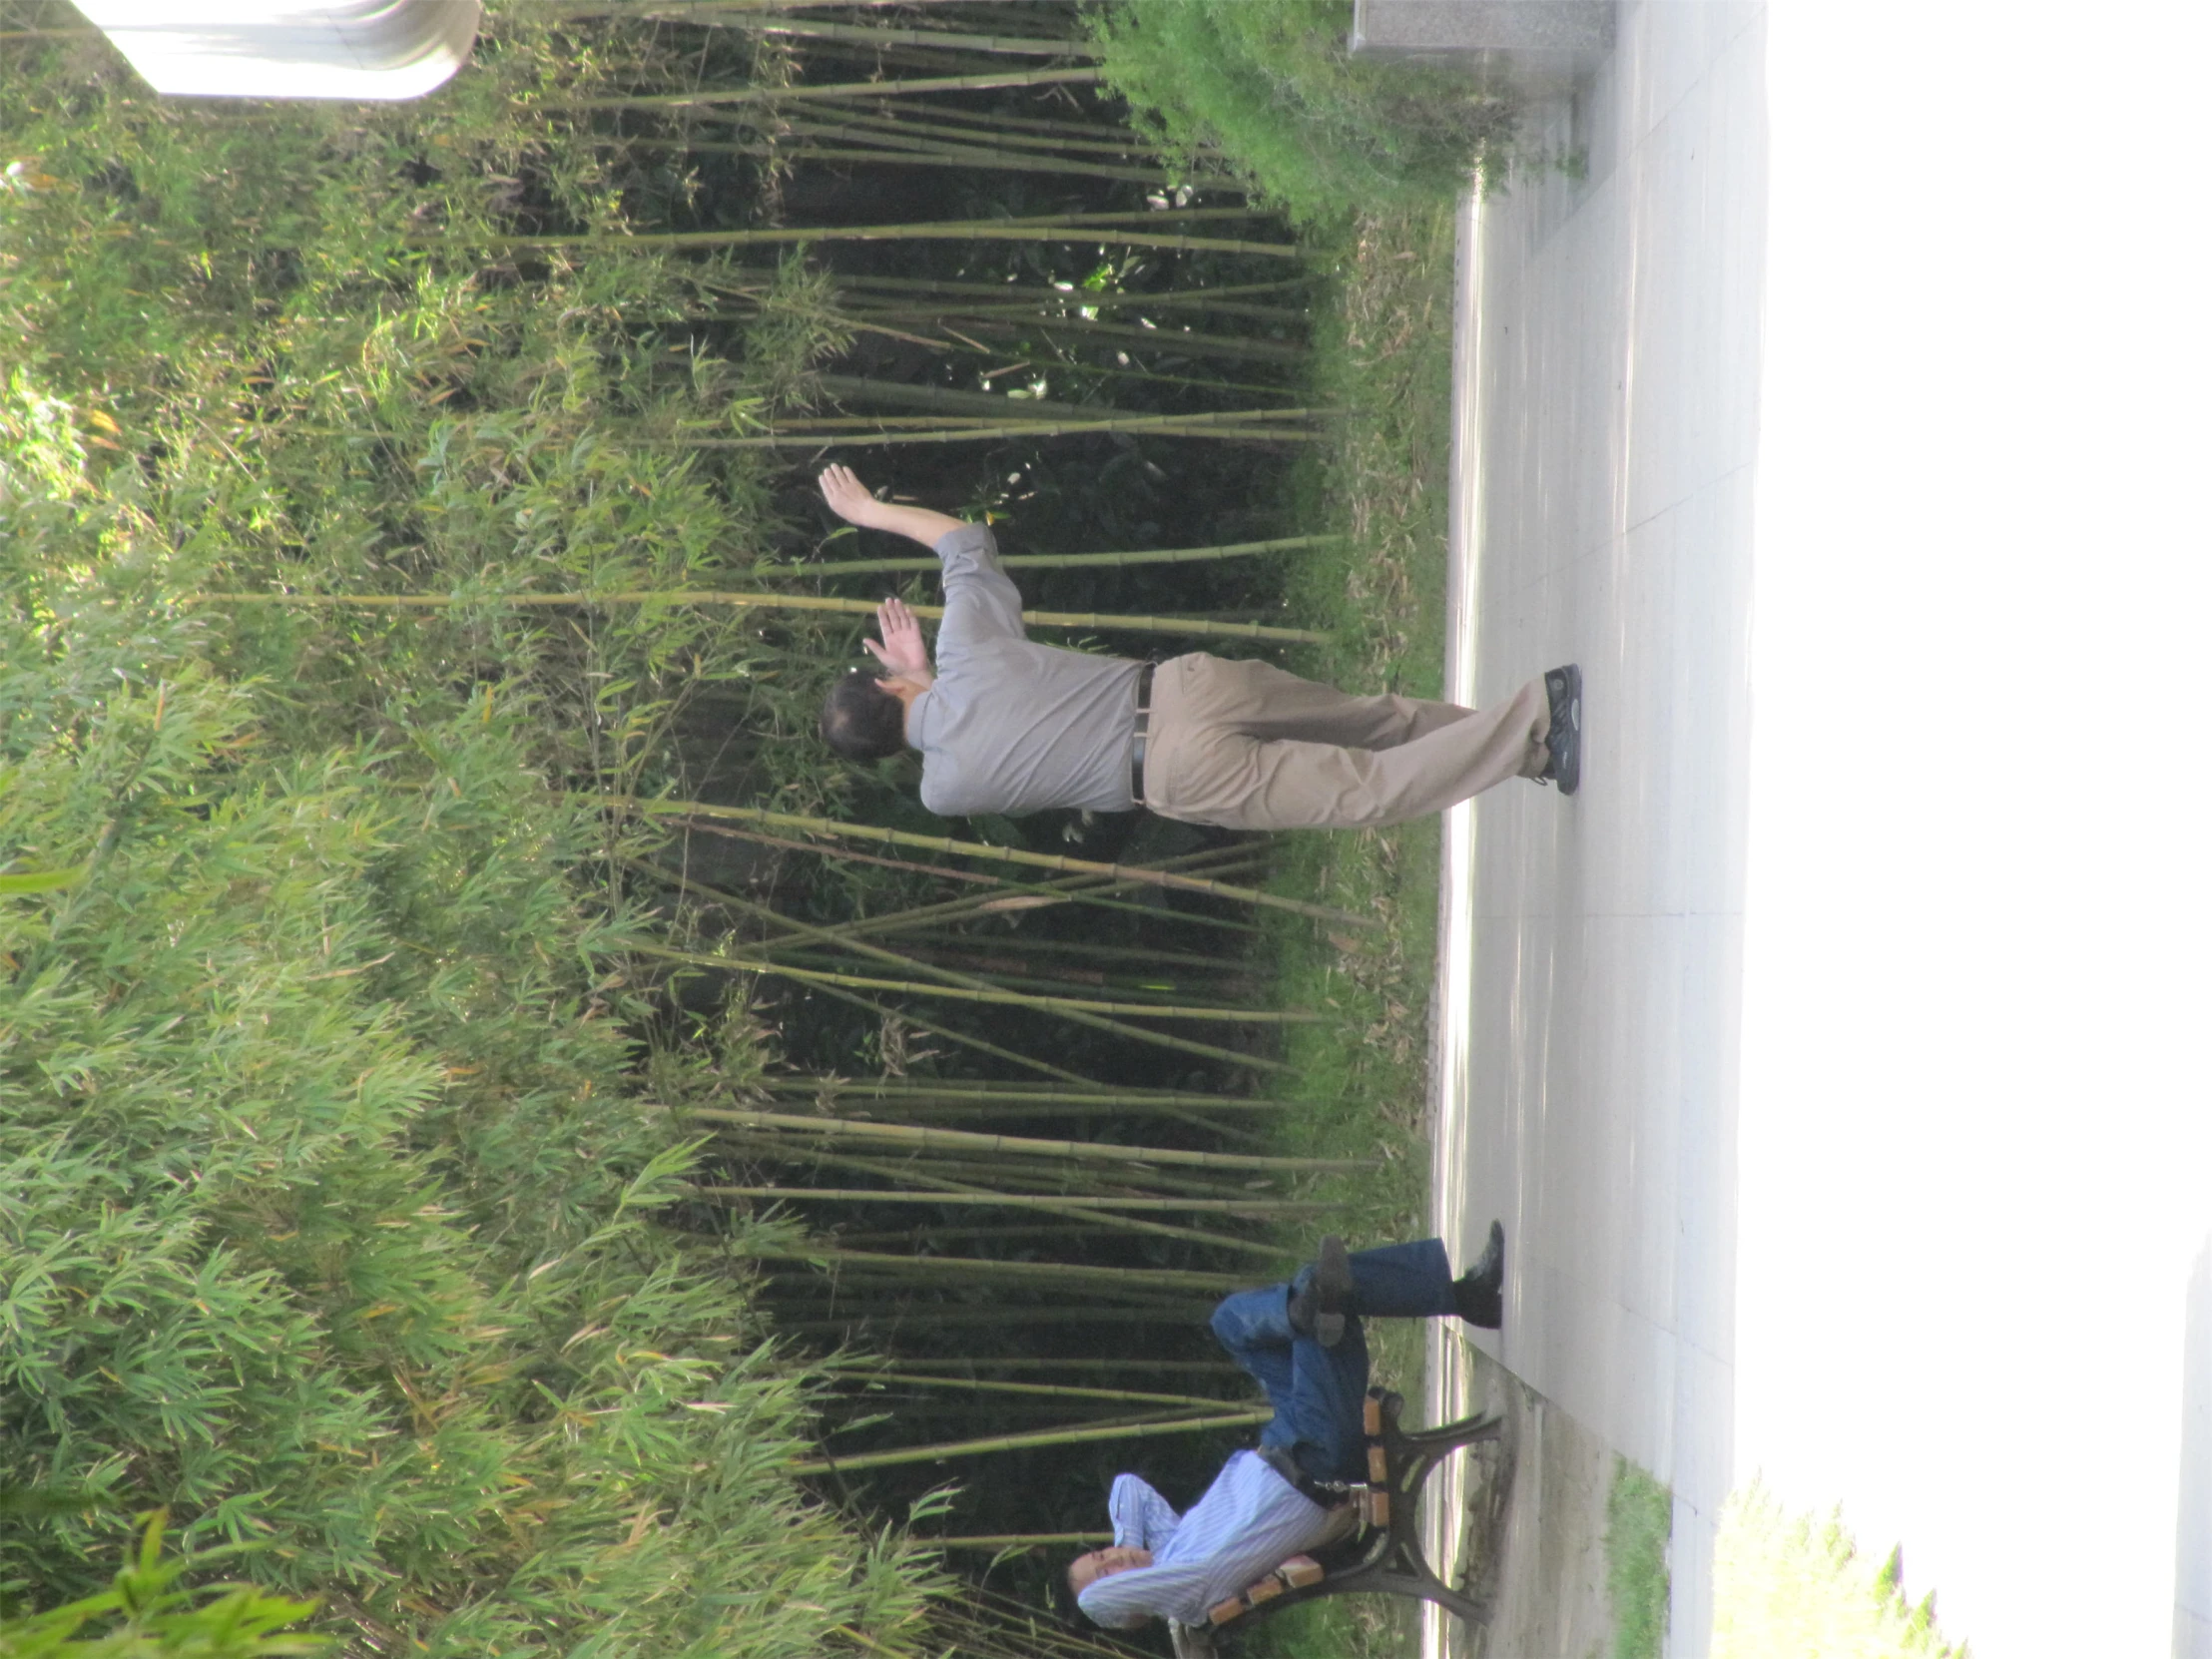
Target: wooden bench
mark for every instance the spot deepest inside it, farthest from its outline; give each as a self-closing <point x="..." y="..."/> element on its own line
<point x="1376" y="1545"/>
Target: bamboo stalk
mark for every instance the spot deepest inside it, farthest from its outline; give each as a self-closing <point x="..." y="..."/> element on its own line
<point x="1093" y="893"/>
<point x="1003" y="1541"/>
<point x="1084" y="890"/>
<point x="873" y="1287"/>
<point x="1073" y="304"/>
<point x="998" y="998"/>
<point x="952" y="1177"/>
<point x="833" y="90"/>
<point x="943" y="1172"/>
<point x="948" y="1192"/>
<point x="984" y="229"/>
<point x="955" y="1111"/>
<point x="823" y="442"/>
<point x="755" y="601"/>
<point x="1026" y="1201"/>
<point x="1065" y="1006"/>
<point x="1255" y="426"/>
<point x="1042" y="1391"/>
<point x="858" y="389"/>
<point x="1022" y="1442"/>
<point x="962" y="1037"/>
<point x="1142" y="992"/>
<point x="1078" y="1363"/>
<point x="966" y="1039"/>
<point x="1188" y="341"/>
<point x="967" y="1087"/>
<point x="858" y="283"/>
<point x="1023" y="945"/>
<point x="882" y="134"/>
<point x="988" y="1267"/>
<point x="1185" y="1314"/>
<point x="843" y="855"/>
<point x="979" y="849"/>
<point x="926" y="1235"/>
<point x="803" y="930"/>
<point x="995" y="130"/>
<point x="960" y="1140"/>
<point x="977" y="1088"/>
<point x="1003" y="44"/>
<point x="1080" y="891"/>
<point x="1118" y="1100"/>
<point x="1009" y="161"/>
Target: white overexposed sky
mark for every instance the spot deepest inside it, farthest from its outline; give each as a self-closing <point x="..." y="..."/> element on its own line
<point x="1976" y="1122"/>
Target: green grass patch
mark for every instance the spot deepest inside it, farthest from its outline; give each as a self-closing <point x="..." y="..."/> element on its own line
<point x="1383" y="355"/>
<point x="1785" y="1584"/>
<point x="1360" y="1082"/>
<point x="1639" y="1519"/>
<point x="1273" y="90"/>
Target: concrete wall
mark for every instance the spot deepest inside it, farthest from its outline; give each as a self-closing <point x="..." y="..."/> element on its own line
<point x="348" y="48"/>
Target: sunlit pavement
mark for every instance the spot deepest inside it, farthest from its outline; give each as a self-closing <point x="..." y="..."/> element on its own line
<point x="1614" y="365"/>
<point x="1917" y="1224"/>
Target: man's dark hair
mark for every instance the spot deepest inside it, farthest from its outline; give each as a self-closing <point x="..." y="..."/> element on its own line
<point x="861" y="720"/>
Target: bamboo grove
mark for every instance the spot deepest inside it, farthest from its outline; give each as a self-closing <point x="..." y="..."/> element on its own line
<point x="417" y="586"/>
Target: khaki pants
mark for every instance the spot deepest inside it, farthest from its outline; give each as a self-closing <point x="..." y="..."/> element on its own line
<point x="1248" y="747"/>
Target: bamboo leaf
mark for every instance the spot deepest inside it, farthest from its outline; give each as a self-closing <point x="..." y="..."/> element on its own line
<point x="41" y="880"/>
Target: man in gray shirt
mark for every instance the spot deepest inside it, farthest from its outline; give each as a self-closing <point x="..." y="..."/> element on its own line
<point x="1005" y="725"/>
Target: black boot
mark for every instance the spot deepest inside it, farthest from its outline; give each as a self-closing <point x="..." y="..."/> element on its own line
<point x="1319" y="1309"/>
<point x="1563" y="687"/>
<point x="1480" y="1292"/>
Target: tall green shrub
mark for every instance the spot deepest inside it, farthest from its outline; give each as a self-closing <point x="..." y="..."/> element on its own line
<point x="324" y="1180"/>
<point x="329" y="1142"/>
<point x="1271" y="86"/>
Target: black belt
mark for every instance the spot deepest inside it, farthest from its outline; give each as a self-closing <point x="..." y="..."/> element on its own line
<point x="1136" y="744"/>
<point x="1297" y="1478"/>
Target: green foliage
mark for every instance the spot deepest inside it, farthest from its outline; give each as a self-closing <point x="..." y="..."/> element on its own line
<point x="1639" y="1519"/>
<point x="149" y="1617"/>
<point x="1787" y="1584"/>
<point x="328" y="1148"/>
<point x="326" y="1179"/>
<point x="240" y="308"/>
<point x="1272" y="88"/>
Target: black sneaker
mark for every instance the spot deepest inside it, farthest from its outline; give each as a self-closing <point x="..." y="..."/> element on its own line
<point x="1319" y="1309"/>
<point x="1480" y="1292"/>
<point x="1563" y="686"/>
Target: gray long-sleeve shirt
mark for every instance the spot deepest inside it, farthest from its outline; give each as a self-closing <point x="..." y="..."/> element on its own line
<point x="1011" y="725"/>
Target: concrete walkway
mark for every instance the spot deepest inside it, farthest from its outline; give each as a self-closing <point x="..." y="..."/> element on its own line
<point x="1589" y="1009"/>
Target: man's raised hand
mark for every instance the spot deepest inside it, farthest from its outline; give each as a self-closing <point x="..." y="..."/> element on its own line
<point x="849" y="501"/>
<point x="902" y="652"/>
<point x="848" y="496"/>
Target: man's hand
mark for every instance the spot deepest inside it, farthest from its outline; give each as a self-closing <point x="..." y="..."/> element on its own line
<point x="849" y="501"/>
<point x="902" y="652"/>
<point x="848" y="497"/>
